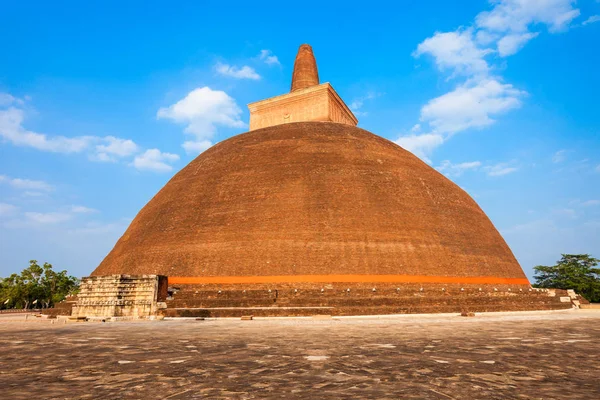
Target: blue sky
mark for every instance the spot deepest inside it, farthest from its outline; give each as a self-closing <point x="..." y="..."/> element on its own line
<point x="101" y="103"/>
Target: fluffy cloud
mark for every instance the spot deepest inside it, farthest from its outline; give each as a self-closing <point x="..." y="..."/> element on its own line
<point x="511" y="44"/>
<point x="471" y="105"/>
<point x="108" y="148"/>
<point x="202" y="110"/>
<point x="503" y="30"/>
<point x="565" y="212"/>
<point x="244" y="72"/>
<point x="7" y="209"/>
<point x="589" y="203"/>
<point x="12" y="130"/>
<point x="197" y="147"/>
<point x="268" y="57"/>
<point x="591" y="20"/>
<point x="83" y="210"/>
<point x="155" y="160"/>
<point x="511" y="19"/>
<point x="6" y="100"/>
<point x="501" y="169"/>
<point x="47" y="218"/>
<point x="421" y="145"/>
<point x="113" y="148"/>
<point x="26" y="184"/>
<point x="452" y="170"/>
<point x="517" y="15"/>
<point x="456" y="51"/>
<point x="358" y="102"/>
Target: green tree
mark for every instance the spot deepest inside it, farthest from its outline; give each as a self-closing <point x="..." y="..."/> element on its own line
<point x="36" y="286"/>
<point x="572" y="271"/>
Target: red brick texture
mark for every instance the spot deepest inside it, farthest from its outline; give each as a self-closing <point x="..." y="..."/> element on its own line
<point x="305" y="69"/>
<point x="311" y="199"/>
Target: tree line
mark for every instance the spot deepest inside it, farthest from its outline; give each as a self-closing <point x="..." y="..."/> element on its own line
<point x="36" y="287"/>
<point x="42" y="287"/>
<point x="572" y="271"/>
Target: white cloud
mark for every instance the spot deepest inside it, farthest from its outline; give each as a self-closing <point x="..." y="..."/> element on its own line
<point x="29" y="184"/>
<point x="421" y="145"/>
<point x="7" y="209"/>
<point x="114" y="148"/>
<point x="358" y="102"/>
<point x="454" y="170"/>
<point x="456" y="51"/>
<point x="517" y="15"/>
<point x="107" y="148"/>
<point x="268" y="57"/>
<point x="6" y="99"/>
<point x="471" y="105"/>
<point x="26" y="184"/>
<point x="12" y="130"/>
<point x="83" y="210"/>
<point x="591" y="20"/>
<point x="589" y="203"/>
<point x="503" y="30"/>
<point x="501" y="169"/>
<point x="511" y="44"/>
<point x="47" y="218"/>
<point x="34" y="194"/>
<point x="565" y="212"/>
<point x="597" y="169"/>
<point x="484" y="38"/>
<point x="244" y="72"/>
<point x="198" y="147"/>
<point x="202" y="110"/>
<point x="155" y="160"/>
<point x="559" y="156"/>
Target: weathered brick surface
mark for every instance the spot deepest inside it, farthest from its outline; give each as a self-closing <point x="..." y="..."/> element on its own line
<point x="305" y="69"/>
<point x="211" y="301"/>
<point x="310" y="198"/>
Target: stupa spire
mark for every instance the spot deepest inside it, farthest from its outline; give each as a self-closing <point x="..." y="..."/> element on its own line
<point x="305" y="69"/>
<point x="307" y="101"/>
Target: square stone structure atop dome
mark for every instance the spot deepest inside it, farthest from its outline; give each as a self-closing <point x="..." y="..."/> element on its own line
<point x="308" y="100"/>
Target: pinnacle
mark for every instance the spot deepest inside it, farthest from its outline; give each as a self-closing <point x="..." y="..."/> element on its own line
<point x="305" y="69"/>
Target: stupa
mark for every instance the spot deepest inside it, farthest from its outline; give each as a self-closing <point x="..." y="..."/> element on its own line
<point x="308" y="214"/>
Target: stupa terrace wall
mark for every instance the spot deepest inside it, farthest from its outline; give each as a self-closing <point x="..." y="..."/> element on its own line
<point x="357" y="299"/>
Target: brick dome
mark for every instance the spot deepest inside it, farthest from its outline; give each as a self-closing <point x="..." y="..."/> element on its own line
<point x="312" y="202"/>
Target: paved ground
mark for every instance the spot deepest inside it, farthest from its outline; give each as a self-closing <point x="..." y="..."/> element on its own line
<point x="542" y="355"/>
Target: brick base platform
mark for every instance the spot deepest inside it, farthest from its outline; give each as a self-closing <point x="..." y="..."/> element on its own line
<point x="358" y="299"/>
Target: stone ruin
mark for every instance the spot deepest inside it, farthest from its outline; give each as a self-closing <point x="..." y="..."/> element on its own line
<point x="130" y="296"/>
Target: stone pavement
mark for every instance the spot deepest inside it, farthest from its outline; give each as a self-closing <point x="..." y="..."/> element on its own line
<point x="535" y="355"/>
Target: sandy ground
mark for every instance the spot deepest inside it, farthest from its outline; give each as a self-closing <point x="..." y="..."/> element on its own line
<point x="529" y="355"/>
